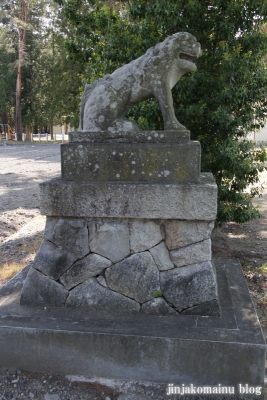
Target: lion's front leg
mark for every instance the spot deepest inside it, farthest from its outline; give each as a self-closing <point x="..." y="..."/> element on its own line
<point x="164" y="96"/>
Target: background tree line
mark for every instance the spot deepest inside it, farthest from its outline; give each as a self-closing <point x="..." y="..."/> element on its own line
<point x="50" y="83"/>
<point x="78" y="41"/>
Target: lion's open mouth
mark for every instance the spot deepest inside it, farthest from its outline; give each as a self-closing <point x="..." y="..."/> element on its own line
<point x="186" y="56"/>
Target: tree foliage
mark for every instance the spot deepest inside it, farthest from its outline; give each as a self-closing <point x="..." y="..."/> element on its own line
<point x="51" y="83"/>
<point x="7" y="76"/>
<point x="220" y="103"/>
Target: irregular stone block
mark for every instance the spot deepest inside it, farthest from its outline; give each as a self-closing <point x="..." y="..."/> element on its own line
<point x="88" y="267"/>
<point x="182" y="233"/>
<point x="161" y="257"/>
<point x="131" y="162"/>
<point x="110" y="239"/>
<point x="136" y="277"/>
<point x="189" y="286"/>
<point x="209" y="308"/>
<point x="52" y="260"/>
<point x="158" y="306"/>
<point x="144" y="235"/>
<point x="70" y="234"/>
<point x="131" y="200"/>
<point x="192" y="254"/>
<point x="39" y="291"/>
<point x="94" y="297"/>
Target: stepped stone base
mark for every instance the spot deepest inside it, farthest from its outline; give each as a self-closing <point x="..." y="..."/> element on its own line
<point x="128" y="227"/>
<point x="226" y="350"/>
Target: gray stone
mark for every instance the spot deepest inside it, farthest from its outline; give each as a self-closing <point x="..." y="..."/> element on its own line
<point x="51" y="397"/>
<point x="138" y="347"/>
<point x="110" y="239"/>
<point x="101" y="280"/>
<point x="131" y="162"/>
<point x="161" y="257"/>
<point x="92" y="296"/>
<point x="181" y="136"/>
<point x="118" y="200"/>
<point x="70" y="234"/>
<point x="88" y="267"/>
<point x="106" y="102"/>
<point x="209" y="308"/>
<point x="158" y="306"/>
<point x="182" y="233"/>
<point x="189" y="286"/>
<point x="136" y="277"/>
<point x="144" y="235"/>
<point x="192" y="254"/>
<point x="52" y="260"/>
<point x="39" y="290"/>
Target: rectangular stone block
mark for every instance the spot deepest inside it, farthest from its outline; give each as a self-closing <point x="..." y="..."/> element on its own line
<point x="130" y="200"/>
<point x="163" y="136"/>
<point x="227" y="350"/>
<point x="131" y="162"/>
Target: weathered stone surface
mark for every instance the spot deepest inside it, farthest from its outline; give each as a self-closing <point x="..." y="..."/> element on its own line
<point x="88" y="267"/>
<point x="118" y="200"/>
<point x="131" y="162"/>
<point x="110" y="239"/>
<point x="189" y="286"/>
<point x="192" y="254"/>
<point x="94" y="297"/>
<point x="70" y="234"/>
<point x="161" y="257"/>
<point x="136" y="277"/>
<point x="144" y="235"/>
<point x="209" y="308"/>
<point x="106" y="102"/>
<point x="173" y="136"/>
<point x="52" y="260"/>
<point x="102" y="280"/>
<point x="182" y="233"/>
<point x="158" y="306"/>
<point x="39" y="290"/>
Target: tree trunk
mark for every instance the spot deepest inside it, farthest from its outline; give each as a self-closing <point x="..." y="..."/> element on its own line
<point x="18" y="105"/>
<point x="52" y="131"/>
<point x="28" y="132"/>
<point x="21" y="47"/>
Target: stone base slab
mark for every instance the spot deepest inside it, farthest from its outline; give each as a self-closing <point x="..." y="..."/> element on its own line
<point x="131" y="162"/>
<point x="130" y="200"/>
<point x="205" y="351"/>
<point x="163" y="136"/>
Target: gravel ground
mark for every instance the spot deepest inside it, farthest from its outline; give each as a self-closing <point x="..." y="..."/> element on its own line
<point x="22" y="168"/>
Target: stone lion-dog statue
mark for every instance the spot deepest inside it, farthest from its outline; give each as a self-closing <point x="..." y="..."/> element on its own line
<point x="106" y="102"/>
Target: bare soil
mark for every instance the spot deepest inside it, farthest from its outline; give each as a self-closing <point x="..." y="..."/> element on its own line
<point x="22" y="168"/>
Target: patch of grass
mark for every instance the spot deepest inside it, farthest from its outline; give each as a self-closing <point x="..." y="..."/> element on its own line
<point x="263" y="269"/>
<point x="8" y="270"/>
<point x="157" y="294"/>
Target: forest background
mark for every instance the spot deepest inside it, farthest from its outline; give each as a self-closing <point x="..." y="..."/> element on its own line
<point x="50" y="49"/>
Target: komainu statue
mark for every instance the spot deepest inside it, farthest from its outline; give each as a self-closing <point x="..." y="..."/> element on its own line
<point x="106" y="102"/>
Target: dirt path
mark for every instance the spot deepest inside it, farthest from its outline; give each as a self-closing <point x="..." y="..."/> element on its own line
<point x="22" y="168"/>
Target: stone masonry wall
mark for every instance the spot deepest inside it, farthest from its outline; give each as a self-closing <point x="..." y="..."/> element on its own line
<point x="119" y="265"/>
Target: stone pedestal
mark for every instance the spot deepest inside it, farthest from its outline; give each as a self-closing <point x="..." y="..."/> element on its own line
<point x="128" y="227"/>
<point x="226" y="351"/>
